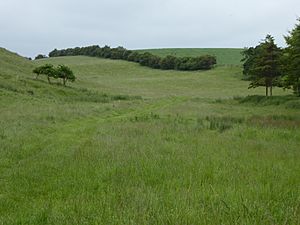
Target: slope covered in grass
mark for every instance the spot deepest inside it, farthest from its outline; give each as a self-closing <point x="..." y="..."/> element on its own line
<point x="121" y="77"/>
<point x="126" y="144"/>
<point x="12" y="64"/>
<point x="225" y="56"/>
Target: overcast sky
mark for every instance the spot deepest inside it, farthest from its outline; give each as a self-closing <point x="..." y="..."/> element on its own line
<point x="30" y="27"/>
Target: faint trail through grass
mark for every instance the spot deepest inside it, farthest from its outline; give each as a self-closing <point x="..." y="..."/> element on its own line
<point x="74" y="132"/>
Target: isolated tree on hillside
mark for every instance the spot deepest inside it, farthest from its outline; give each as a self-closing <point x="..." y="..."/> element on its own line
<point x="262" y="64"/>
<point x="47" y="70"/>
<point x="62" y="71"/>
<point x="37" y="71"/>
<point x="65" y="73"/>
<point x="292" y="60"/>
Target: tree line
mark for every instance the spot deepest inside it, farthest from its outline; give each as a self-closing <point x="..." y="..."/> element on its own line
<point x="204" y="62"/>
<point x="60" y="72"/>
<point x="270" y="66"/>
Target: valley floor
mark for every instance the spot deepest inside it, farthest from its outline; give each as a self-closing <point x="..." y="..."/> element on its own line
<point x="132" y="145"/>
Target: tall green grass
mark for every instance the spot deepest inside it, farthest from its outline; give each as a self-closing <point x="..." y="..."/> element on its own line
<point x="126" y="144"/>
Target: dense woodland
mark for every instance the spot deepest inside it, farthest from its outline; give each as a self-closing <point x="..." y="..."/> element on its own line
<point x="205" y="62"/>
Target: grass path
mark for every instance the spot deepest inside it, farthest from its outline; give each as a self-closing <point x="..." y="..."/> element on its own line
<point x="44" y="156"/>
<point x="74" y="132"/>
<point x="76" y="173"/>
<point x="98" y="154"/>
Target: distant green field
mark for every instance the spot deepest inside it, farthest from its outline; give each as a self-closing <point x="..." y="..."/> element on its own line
<point x="225" y="56"/>
<point x="126" y="144"/>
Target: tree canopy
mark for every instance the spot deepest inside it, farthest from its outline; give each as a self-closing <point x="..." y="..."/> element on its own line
<point x="145" y="59"/>
<point x="63" y="72"/>
<point x="262" y="64"/>
<point x="40" y="56"/>
<point x="47" y="70"/>
<point x="291" y="60"/>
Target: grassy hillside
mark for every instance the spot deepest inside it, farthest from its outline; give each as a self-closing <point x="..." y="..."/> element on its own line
<point x="12" y="64"/>
<point x="225" y="56"/>
<point x="121" y="77"/>
<point x="126" y="144"/>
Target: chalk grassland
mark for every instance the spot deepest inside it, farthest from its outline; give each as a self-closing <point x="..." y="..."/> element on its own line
<point x="127" y="144"/>
<point x="225" y="56"/>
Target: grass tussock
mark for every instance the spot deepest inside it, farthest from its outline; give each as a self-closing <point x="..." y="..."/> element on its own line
<point x="220" y="124"/>
<point x="144" y="117"/>
<point x="288" y="101"/>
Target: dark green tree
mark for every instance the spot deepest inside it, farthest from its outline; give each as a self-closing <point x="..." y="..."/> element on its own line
<point x="40" y="56"/>
<point x="38" y="71"/>
<point x="168" y="62"/>
<point x="291" y="60"/>
<point x="248" y="58"/>
<point x="117" y="53"/>
<point x="65" y="73"/>
<point x="126" y="54"/>
<point x="47" y="70"/>
<point x="106" y="51"/>
<point x="54" y="53"/>
<point x="262" y="64"/>
<point x="134" y="56"/>
<point x="145" y="59"/>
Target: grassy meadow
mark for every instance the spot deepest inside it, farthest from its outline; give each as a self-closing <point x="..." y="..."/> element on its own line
<point x="127" y="144"/>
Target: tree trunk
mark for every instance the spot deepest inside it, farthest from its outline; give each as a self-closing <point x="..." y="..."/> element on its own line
<point x="64" y="80"/>
<point x="271" y="90"/>
<point x="267" y="89"/>
<point x="49" y="79"/>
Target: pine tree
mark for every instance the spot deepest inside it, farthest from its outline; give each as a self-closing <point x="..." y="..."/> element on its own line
<point x="262" y="64"/>
<point x="292" y="60"/>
